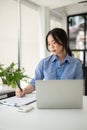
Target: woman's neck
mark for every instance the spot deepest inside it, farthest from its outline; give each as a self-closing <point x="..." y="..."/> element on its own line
<point x="62" y="56"/>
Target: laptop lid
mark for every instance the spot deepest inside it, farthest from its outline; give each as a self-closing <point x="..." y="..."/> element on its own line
<point x="59" y="93"/>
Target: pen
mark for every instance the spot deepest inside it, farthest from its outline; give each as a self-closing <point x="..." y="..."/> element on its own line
<point x="18" y="85"/>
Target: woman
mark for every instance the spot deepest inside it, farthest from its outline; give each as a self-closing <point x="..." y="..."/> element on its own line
<point x="59" y="65"/>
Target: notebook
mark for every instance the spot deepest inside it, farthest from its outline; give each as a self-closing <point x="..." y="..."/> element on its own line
<point x="59" y="94"/>
<point x="19" y="101"/>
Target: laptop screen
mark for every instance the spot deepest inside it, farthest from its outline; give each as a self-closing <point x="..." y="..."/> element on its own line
<point x="59" y="93"/>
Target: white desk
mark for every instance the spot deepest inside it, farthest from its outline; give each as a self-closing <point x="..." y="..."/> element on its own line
<point x="43" y="119"/>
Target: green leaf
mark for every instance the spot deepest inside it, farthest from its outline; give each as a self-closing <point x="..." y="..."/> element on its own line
<point x="11" y="73"/>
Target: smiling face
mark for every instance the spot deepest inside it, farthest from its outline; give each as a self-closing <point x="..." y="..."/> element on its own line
<point x="54" y="47"/>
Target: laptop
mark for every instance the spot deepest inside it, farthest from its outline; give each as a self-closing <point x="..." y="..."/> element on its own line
<point x="62" y="94"/>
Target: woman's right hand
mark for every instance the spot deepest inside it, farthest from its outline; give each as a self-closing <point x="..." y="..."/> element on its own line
<point x="19" y="93"/>
<point x="28" y="89"/>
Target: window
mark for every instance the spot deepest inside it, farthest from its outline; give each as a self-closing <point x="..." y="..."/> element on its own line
<point x="8" y="32"/>
<point x="77" y="31"/>
<point x="30" y="38"/>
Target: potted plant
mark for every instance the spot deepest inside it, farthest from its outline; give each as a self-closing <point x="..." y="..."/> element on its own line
<point x="11" y="73"/>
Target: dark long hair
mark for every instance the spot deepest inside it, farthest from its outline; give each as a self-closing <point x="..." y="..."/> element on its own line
<point x="60" y="37"/>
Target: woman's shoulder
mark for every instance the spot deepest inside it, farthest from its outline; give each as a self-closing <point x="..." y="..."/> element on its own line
<point x="47" y="58"/>
<point x="75" y="60"/>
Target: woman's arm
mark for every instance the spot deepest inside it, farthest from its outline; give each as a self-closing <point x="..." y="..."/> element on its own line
<point x="28" y="89"/>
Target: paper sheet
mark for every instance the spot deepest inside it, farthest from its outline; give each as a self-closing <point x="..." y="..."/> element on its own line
<point x="19" y="101"/>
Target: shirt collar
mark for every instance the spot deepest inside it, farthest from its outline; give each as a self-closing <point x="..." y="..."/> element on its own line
<point x="67" y="58"/>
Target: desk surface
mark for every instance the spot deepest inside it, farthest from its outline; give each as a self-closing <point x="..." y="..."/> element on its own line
<point x="43" y="119"/>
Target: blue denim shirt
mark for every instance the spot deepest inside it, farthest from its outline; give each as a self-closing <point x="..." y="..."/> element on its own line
<point x="49" y="68"/>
